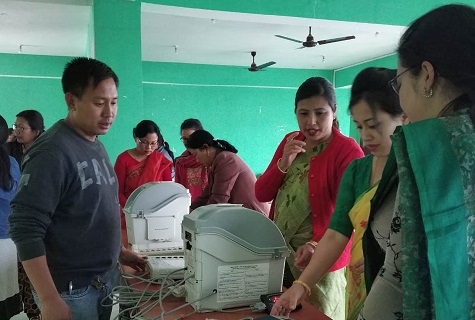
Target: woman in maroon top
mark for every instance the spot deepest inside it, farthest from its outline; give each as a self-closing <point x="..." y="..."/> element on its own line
<point x="230" y="180"/>
<point x="302" y="182"/>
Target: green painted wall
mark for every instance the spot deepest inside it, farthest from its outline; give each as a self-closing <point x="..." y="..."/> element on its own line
<point x="119" y="45"/>
<point x="251" y="110"/>
<point x="32" y="82"/>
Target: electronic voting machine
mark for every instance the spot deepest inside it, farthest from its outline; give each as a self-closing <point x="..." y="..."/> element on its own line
<point x="154" y="213"/>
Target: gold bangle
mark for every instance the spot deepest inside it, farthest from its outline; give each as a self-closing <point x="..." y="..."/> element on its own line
<point x="304" y="285"/>
<point x="312" y="243"/>
<point x="278" y="166"/>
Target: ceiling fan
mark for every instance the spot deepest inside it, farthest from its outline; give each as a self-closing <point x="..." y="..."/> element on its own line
<point x="310" y="40"/>
<point x="255" y="67"/>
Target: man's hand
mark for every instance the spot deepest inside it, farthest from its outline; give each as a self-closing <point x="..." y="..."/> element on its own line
<point x="55" y="309"/>
<point x="132" y="259"/>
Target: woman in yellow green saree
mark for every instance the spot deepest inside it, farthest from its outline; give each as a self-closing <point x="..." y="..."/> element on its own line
<point x="376" y="113"/>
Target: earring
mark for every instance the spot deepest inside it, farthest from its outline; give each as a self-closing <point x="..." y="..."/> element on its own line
<point x="428" y="94"/>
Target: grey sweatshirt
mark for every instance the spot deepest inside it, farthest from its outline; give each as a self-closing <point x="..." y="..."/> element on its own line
<point x="67" y="207"/>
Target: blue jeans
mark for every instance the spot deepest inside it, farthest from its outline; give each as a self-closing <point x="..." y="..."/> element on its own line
<point x="85" y="303"/>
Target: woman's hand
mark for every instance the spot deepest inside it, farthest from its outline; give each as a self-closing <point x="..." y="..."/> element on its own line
<point x="358" y="267"/>
<point x="288" y="301"/>
<point x="303" y="255"/>
<point x="291" y="149"/>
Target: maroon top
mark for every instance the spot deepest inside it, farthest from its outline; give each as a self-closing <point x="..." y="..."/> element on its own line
<point x="230" y="180"/>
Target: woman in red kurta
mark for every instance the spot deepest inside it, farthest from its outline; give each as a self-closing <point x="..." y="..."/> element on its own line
<point x="188" y="171"/>
<point x="302" y="182"/>
<point x="139" y="165"/>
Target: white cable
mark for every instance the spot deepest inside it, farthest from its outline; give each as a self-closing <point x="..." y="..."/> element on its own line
<point x="140" y="299"/>
<point x="136" y="299"/>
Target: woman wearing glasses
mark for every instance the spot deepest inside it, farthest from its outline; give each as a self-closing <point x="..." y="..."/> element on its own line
<point x="28" y="126"/>
<point x="142" y="164"/>
<point x="432" y="229"/>
<point x="10" y="302"/>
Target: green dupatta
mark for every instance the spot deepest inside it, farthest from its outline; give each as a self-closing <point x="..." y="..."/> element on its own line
<point x="436" y="165"/>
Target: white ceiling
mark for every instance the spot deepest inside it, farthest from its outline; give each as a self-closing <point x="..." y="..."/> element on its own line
<point x="60" y="28"/>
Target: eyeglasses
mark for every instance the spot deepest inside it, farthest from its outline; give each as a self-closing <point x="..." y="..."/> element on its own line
<point x="394" y="84"/>
<point x="153" y="144"/>
<point x="19" y="129"/>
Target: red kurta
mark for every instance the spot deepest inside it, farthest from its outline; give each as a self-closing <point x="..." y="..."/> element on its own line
<point x="131" y="174"/>
<point x="191" y="174"/>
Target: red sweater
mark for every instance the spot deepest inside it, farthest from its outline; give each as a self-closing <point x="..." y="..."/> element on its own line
<point x="325" y="172"/>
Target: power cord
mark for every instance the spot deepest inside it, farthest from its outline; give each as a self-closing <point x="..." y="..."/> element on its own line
<point x="140" y="301"/>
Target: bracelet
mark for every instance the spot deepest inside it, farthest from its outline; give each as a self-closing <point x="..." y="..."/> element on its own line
<point x="278" y="166"/>
<point x="304" y="285"/>
<point x="312" y="243"/>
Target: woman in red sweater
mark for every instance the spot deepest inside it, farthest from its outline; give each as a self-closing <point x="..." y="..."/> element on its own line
<point x="302" y="182"/>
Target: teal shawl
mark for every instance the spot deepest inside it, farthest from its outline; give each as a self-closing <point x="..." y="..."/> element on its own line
<point x="436" y="166"/>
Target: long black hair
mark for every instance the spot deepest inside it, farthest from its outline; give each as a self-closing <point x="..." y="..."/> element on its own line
<point x="372" y="86"/>
<point x="202" y="139"/>
<point x="445" y="37"/>
<point x="6" y="180"/>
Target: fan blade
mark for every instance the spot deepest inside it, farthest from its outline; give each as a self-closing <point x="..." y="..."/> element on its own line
<point x="302" y="47"/>
<point x="265" y="65"/>
<point x="320" y="42"/>
<point x="279" y="36"/>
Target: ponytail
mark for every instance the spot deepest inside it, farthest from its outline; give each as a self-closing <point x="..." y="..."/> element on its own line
<point x="200" y="138"/>
<point x="223" y="145"/>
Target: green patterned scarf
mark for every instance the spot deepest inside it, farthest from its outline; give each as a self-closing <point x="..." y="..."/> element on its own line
<point x="436" y="166"/>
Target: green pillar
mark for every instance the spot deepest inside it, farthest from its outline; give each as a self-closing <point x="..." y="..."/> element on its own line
<point x="117" y="42"/>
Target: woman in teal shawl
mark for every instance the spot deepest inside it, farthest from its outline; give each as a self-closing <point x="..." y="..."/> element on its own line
<point x="432" y="230"/>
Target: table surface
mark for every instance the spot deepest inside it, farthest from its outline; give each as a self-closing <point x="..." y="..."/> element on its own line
<point x="307" y="312"/>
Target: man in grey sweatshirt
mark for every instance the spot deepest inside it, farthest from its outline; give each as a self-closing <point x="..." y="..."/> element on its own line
<point x="65" y="217"/>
